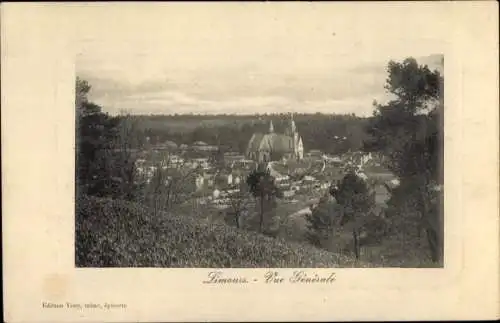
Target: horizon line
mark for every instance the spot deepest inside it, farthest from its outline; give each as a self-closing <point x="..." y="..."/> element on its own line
<point x="232" y="114"/>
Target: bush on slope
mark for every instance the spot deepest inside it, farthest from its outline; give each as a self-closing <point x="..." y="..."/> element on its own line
<point x="115" y="233"/>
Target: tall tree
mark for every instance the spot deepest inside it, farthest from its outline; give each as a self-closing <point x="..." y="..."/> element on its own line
<point x="94" y="136"/>
<point x="263" y="188"/>
<point x="357" y="201"/>
<point x="321" y="222"/>
<point x="407" y="130"/>
<point x="104" y="167"/>
<point x="239" y="204"/>
<point x="123" y="156"/>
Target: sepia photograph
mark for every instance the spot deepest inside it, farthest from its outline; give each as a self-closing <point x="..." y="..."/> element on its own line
<point x="212" y="152"/>
<point x="187" y="162"/>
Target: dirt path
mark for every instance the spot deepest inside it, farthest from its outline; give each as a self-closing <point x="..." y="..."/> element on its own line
<point x="300" y="213"/>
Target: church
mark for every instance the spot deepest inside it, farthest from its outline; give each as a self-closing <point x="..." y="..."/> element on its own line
<point x="271" y="146"/>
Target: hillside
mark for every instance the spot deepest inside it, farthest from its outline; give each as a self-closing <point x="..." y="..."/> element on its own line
<point x="112" y="233"/>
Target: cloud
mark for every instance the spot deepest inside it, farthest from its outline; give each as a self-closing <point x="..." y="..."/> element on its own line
<point x="247" y="90"/>
<point x="177" y="102"/>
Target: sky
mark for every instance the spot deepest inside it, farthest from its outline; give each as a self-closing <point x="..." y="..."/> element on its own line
<point x="249" y="61"/>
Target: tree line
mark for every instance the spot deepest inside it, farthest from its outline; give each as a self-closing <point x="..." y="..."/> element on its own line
<point x="319" y="131"/>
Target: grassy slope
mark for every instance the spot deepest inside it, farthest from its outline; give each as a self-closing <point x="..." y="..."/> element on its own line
<point x="401" y="247"/>
<point x="122" y="234"/>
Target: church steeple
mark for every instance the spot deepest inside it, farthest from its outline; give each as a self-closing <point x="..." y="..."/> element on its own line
<point x="293" y="127"/>
<point x="271" y="127"/>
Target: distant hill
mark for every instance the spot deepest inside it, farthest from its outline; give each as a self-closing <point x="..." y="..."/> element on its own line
<point x="111" y="233"/>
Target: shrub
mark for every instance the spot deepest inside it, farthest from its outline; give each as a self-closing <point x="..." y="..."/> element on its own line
<point x="322" y="222"/>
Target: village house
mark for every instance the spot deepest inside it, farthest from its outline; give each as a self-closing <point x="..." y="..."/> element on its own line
<point x="283" y="184"/>
<point x="243" y="164"/>
<point x="172" y="161"/>
<point x="223" y="179"/>
<point x="314" y="153"/>
<point x="199" y="182"/>
<point x="203" y="146"/>
<point x="166" y="145"/>
<point x="288" y="193"/>
<point x="236" y="179"/>
<point x="308" y="178"/>
<point x="209" y="179"/>
<point x="233" y="156"/>
<point x="200" y="162"/>
<point x="216" y="193"/>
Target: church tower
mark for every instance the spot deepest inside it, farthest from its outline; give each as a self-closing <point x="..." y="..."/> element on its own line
<point x="291" y="129"/>
<point x="297" y="145"/>
<point x="271" y="127"/>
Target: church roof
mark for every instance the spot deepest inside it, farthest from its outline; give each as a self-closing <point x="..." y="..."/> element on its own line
<point x="254" y="143"/>
<point x="270" y="142"/>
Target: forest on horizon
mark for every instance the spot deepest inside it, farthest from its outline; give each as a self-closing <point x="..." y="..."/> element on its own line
<point x="321" y="131"/>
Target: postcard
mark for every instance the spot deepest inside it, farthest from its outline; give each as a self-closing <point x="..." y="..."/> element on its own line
<point x="308" y="161"/>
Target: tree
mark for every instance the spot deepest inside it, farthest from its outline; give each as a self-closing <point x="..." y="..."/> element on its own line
<point x="407" y="130"/>
<point x="263" y="188"/>
<point x="82" y="89"/>
<point x="123" y="156"/>
<point x="357" y="201"/>
<point x="239" y="203"/>
<point x="94" y="135"/>
<point x="217" y="158"/>
<point x="169" y="186"/>
<point x="321" y="222"/>
<point x="104" y="163"/>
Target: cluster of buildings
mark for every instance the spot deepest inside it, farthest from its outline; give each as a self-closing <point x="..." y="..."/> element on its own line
<point x="208" y="180"/>
<point x="215" y="181"/>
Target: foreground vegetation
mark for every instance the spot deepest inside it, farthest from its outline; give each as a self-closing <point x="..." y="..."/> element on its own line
<point x="115" y="233"/>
